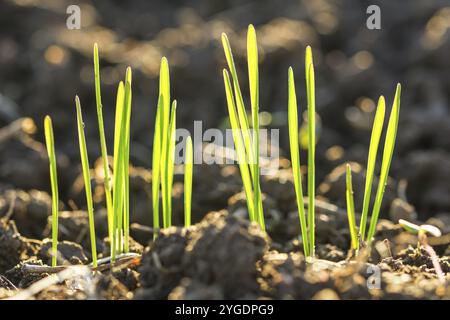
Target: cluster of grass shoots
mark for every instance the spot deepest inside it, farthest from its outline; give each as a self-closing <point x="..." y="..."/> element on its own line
<point x="360" y="236"/>
<point x="163" y="156"/>
<point x="247" y="151"/>
<point x="246" y="144"/>
<point x="117" y="191"/>
<point x="306" y="225"/>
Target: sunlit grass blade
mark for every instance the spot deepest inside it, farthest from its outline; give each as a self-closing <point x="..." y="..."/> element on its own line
<point x="117" y="183"/>
<point x="106" y="173"/>
<point x="310" y="92"/>
<point x="239" y="146"/>
<point x="118" y="180"/>
<point x="164" y="92"/>
<point x="156" y="163"/>
<point x="388" y="150"/>
<point x="252" y="57"/>
<point x="351" y="209"/>
<point x="126" y="161"/>
<point x="371" y="160"/>
<point x="170" y="164"/>
<point x="242" y="114"/>
<point x="295" y="158"/>
<point x="87" y="180"/>
<point x="118" y="118"/>
<point x="50" y="143"/>
<point x="188" y="170"/>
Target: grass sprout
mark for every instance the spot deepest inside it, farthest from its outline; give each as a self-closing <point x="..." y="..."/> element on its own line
<point x="389" y="143"/>
<point x="50" y="143"/>
<point x="156" y="164"/>
<point x="422" y="232"/>
<point x="188" y="170"/>
<point x="87" y="179"/>
<point x="164" y="94"/>
<point x="247" y="147"/>
<point x="295" y="158"/>
<point x="239" y="145"/>
<point x="310" y="94"/>
<point x="416" y="229"/>
<point x="117" y="201"/>
<point x="126" y="162"/>
<point x="106" y="172"/>
<point x="371" y="160"/>
<point x="121" y="161"/>
<point x="169" y="162"/>
<point x="253" y="79"/>
<point x="163" y="151"/>
<point x="388" y="150"/>
<point x="351" y="208"/>
<point x="307" y="225"/>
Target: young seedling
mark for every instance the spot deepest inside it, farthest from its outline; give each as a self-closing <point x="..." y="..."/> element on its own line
<point x="163" y="151"/>
<point x="295" y="158"/>
<point x="307" y="226"/>
<point x="351" y="209"/>
<point x="126" y="162"/>
<point x="389" y="143"/>
<point x="247" y="147"/>
<point x="422" y="232"/>
<point x="253" y="79"/>
<point x="310" y="93"/>
<point x="371" y="160"/>
<point x="87" y="179"/>
<point x="121" y="160"/>
<point x="106" y="173"/>
<point x="169" y="166"/>
<point x="49" y="140"/>
<point x="188" y="169"/>
<point x="156" y="164"/>
<point x="239" y="145"/>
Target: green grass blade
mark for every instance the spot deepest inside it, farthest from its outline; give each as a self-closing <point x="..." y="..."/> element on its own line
<point x="351" y="209"/>
<point x="371" y="160"/>
<point x="106" y="173"/>
<point x="164" y="91"/>
<point x="126" y="162"/>
<point x="242" y="114"/>
<point x="252" y="57"/>
<point x="386" y="163"/>
<point x="50" y="142"/>
<point x="118" y="118"/>
<point x="171" y="160"/>
<point x="188" y="170"/>
<point x="310" y="90"/>
<point x="123" y="161"/>
<point x="87" y="180"/>
<point x="156" y="163"/>
<point x="295" y="158"/>
<point x="118" y="180"/>
<point x="239" y="146"/>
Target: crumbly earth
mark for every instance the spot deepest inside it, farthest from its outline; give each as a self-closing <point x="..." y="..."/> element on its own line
<point x="226" y="257"/>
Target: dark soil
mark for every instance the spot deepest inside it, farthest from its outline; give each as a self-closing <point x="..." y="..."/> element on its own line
<point x="223" y="256"/>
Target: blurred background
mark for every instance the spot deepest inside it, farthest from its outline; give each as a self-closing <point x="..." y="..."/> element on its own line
<point x="43" y="65"/>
